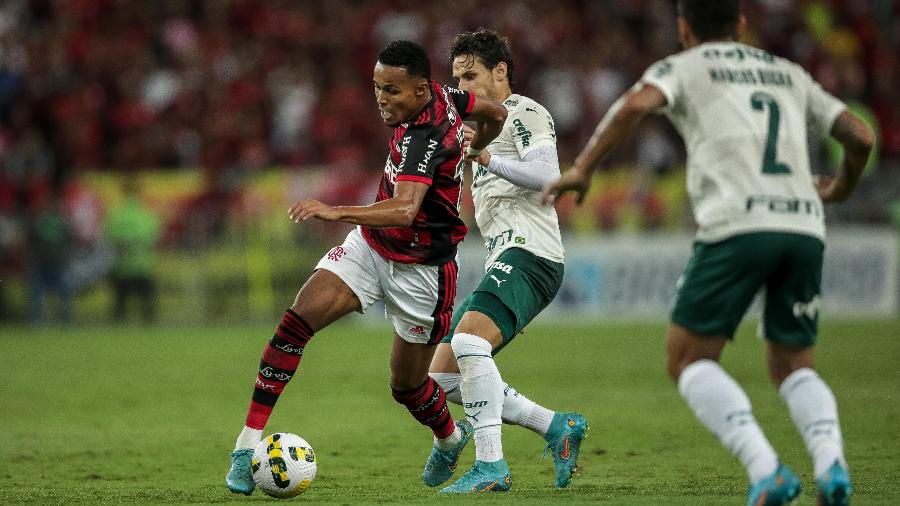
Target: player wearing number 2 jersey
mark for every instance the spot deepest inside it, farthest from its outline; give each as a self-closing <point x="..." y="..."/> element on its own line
<point x="744" y="116"/>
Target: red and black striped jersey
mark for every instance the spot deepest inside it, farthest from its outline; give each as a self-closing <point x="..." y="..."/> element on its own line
<point x="427" y="149"/>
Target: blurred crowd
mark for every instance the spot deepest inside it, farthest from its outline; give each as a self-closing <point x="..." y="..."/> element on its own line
<point x="243" y="84"/>
<point x="234" y="86"/>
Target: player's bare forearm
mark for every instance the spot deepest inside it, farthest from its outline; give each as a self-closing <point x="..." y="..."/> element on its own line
<point x="858" y="139"/>
<point x="485" y="132"/>
<point x="399" y="211"/>
<point x="489" y="117"/>
<point x="618" y="123"/>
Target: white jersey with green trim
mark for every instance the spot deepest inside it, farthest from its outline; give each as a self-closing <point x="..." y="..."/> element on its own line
<point x="508" y="215"/>
<point x="744" y="116"/>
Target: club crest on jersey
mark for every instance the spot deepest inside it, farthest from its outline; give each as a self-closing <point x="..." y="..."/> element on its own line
<point x="391" y="170"/>
<point x="336" y="253"/>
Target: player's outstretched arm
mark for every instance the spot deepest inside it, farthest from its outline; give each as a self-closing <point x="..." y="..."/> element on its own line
<point x="489" y="117"/>
<point x="616" y="126"/>
<point x="857" y="138"/>
<point x="398" y="211"/>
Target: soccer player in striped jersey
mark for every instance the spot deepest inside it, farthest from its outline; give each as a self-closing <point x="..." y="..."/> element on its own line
<point x="524" y="271"/>
<point x="403" y="250"/>
<point x="744" y="115"/>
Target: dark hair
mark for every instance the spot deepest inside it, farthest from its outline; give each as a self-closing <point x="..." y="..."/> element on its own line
<point x="409" y="55"/>
<point x="711" y="19"/>
<point x="488" y="46"/>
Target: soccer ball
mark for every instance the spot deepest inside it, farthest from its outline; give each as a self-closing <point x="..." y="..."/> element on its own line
<point x="283" y="465"/>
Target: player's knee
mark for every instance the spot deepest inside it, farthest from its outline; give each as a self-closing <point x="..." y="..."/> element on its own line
<point x="677" y="363"/>
<point x="465" y="345"/>
<point x="685" y="347"/>
<point x="443" y="361"/>
<point x="782" y="365"/>
<point x="479" y="324"/>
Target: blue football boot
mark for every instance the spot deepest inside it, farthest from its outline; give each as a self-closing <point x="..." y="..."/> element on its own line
<point x="834" y="486"/>
<point x="441" y="463"/>
<point x="483" y="477"/>
<point x="780" y="487"/>
<point x="564" y="437"/>
<point x="239" y="479"/>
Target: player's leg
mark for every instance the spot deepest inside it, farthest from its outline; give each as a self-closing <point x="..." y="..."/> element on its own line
<point x="715" y="291"/>
<point x="342" y="283"/>
<point x="481" y="387"/>
<point x="322" y="300"/>
<point x="718" y="400"/>
<point x="517" y="409"/>
<point x="419" y="302"/>
<point x="790" y="327"/>
<point x="509" y="297"/>
<point x="814" y="411"/>
<point x="420" y="394"/>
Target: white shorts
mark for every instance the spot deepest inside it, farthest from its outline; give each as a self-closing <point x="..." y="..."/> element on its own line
<point x="418" y="299"/>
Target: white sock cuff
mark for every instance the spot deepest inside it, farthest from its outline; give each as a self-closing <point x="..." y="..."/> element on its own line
<point x="449" y="381"/>
<point x="248" y="438"/>
<point x="700" y="367"/>
<point x="539" y="419"/>
<point x="796" y="379"/>
<point x="470" y="345"/>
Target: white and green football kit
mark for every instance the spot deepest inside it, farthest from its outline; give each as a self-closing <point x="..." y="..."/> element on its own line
<point x="744" y="115"/>
<point x="524" y="266"/>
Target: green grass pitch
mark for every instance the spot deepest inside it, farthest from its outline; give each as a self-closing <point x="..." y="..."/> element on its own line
<point x="148" y="415"/>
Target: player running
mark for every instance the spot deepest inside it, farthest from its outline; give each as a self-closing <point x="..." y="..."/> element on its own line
<point x="402" y="252"/>
<point x="744" y="115"/>
<point x="524" y="271"/>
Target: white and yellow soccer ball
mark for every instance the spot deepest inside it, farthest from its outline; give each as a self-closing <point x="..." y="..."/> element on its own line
<point x="283" y="465"/>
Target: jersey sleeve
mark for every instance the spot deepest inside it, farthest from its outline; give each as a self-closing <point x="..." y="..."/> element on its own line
<point x="664" y="76"/>
<point x="462" y="100"/>
<point x="531" y="128"/>
<point x="822" y="108"/>
<point x="420" y="154"/>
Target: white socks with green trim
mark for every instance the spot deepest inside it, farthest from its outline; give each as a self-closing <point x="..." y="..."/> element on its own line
<point x="814" y="411"/>
<point x="517" y="409"/>
<point x="482" y="393"/>
<point x="723" y="407"/>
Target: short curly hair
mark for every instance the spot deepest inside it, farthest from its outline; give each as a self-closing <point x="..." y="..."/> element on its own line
<point x="409" y="55"/>
<point x="488" y="46"/>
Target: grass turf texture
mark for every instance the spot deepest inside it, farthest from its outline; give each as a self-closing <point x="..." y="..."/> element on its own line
<point x="148" y="415"/>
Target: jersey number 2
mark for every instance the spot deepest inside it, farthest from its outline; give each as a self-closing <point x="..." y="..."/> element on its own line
<point x="759" y="101"/>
